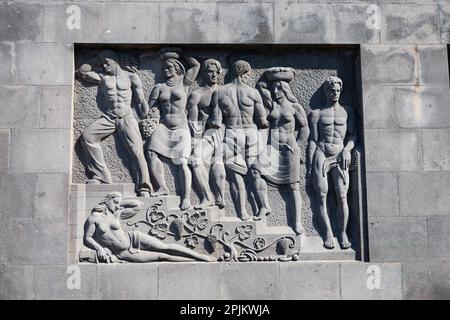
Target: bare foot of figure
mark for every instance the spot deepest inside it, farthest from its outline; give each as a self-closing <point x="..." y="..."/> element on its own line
<point x="185" y="204"/>
<point x="345" y="244"/>
<point x="144" y="193"/>
<point x="245" y="216"/>
<point x="94" y="181"/>
<point x="220" y="202"/>
<point x="262" y="213"/>
<point x="160" y="192"/>
<point x="329" y="242"/>
<point x="204" y="204"/>
<point x="299" y="229"/>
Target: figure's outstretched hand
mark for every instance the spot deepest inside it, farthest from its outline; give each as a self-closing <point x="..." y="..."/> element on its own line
<point x="102" y="255"/>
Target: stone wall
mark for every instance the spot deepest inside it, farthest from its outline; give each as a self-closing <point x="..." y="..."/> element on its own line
<point x="405" y="89"/>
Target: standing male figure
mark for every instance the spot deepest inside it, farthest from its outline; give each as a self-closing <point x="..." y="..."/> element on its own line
<point x="118" y="85"/>
<point x="333" y="137"/>
<point x="241" y="107"/>
<point x="209" y="146"/>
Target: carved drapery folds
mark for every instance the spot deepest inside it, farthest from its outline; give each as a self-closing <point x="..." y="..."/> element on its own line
<point x="243" y="140"/>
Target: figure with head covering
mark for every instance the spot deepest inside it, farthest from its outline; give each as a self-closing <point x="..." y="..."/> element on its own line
<point x="103" y="233"/>
<point x="333" y="137"/>
<point x="241" y="109"/>
<point x="171" y="137"/>
<point x="208" y="147"/>
<point x="280" y="162"/>
<point x="118" y="87"/>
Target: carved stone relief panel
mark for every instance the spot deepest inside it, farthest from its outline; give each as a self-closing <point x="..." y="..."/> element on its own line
<point x="218" y="154"/>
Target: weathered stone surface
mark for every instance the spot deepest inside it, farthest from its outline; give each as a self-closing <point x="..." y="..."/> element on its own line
<point x="20" y="107"/>
<point x="309" y="280"/>
<point x="438" y="236"/>
<point x="436" y="149"/>
<point x="130" y="22"/>
<point x="6" y="67"/>
<point x="426" y="280"/>
<point x="245" y="23"/>
<point x="57" y="282"/>
<point x="410" y="23"/>
<point x="424" y="194"/>
<point x="351" y="23"/>
<point x="358" y="281"/>
<point x="42" y="63"/>
<point x="398" y="239"/>
<point x="18" y="194"/>
<point x="379" y="108"/>
<point x="432" y="60"/>
<point x="302" y="23"/>
<point x="36" y="241"/>
<point x="384" y="65"/>
<point x="52" y="196"/>
<point x="21" y="21"/>
<point x="194" y="281"/>
<point x="250" y="281"/>
<point x="422" y="107"/>
<point x="185" y="22"/>
<point x="56" y="107"/>
<point x="382" y="194"/>
<point x="445" y="22"/>
<point x="40" y="150"/>
<point x="61" y="23"/>
<point x="393" y="150"/>
<point x="16" y="282"/>
<point x="4" y="150"/>
<point x="127" y="282"/>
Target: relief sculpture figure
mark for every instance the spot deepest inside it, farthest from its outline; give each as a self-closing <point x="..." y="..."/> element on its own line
<point x="333" y="137"/>
<point x="241" y="109"/>
<point x="289" y="131"/>
<point x="103" y="233"/>
<point x="118" y="86"/>
<point x="171" y="137"/>
<point x="208" y="149"/>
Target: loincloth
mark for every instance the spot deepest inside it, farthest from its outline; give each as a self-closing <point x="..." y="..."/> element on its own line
<point x="333" y="162"/>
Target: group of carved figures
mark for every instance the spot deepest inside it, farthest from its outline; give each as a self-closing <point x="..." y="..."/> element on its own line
<point x="221" y="125"/>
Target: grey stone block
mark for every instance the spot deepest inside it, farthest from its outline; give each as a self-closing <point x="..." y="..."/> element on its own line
<point x="410" y="23"/>
<point x="422" y="107"/>
<point x="445" y="22"/>
<point x="250" y="281"/>
<point x="16" y="282"/>
<point x="55" y="282"/>
<point x="382" y="194"/>
<point x="393" y="150"/>
<point x="310" y="280"/>
<point x="4" y="150"/>
<point x="379" y="111"/>
<point x="20" y="107"/>
<point x="358" y="281"/>
<point x="40" y="150"/>
<point x="189" y="22"/>
<point x="384" y="65"/>
<point x="21" y="21"/>
<point x="18" y="194"/>
<point x="436" y="149"/>
<point x="438" y="237"/>
<point x="245" y="23"/>
<point x="431" y="62"/>
<point x="60" y="24"/>
<point x="398" y="239"/>
<point x="52" y="196"/>
<point x="426" y="280"/>
<point x="128" y="281"/>
<point x="130" y="22"/>
<point x="6" y="67"/>
<point x="424" y="193"/>
<point x="350" y="24"/>
<point x="43" y="63"/>
<point x="193" y="281"/>
<point x="56" y="107"/>
<point x="36" y="241"/>
<point x="302" y="23"/>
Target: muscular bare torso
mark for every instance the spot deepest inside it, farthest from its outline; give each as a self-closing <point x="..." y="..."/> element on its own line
<point x="331" y="129"/>
<point x="109" y="233"/>
<point x="118" y="93"/>
<point x="282" y="122"/>
<point x="202" y="99"/>
<point x="172" y="104"/>
<point x="237" y="103"/>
